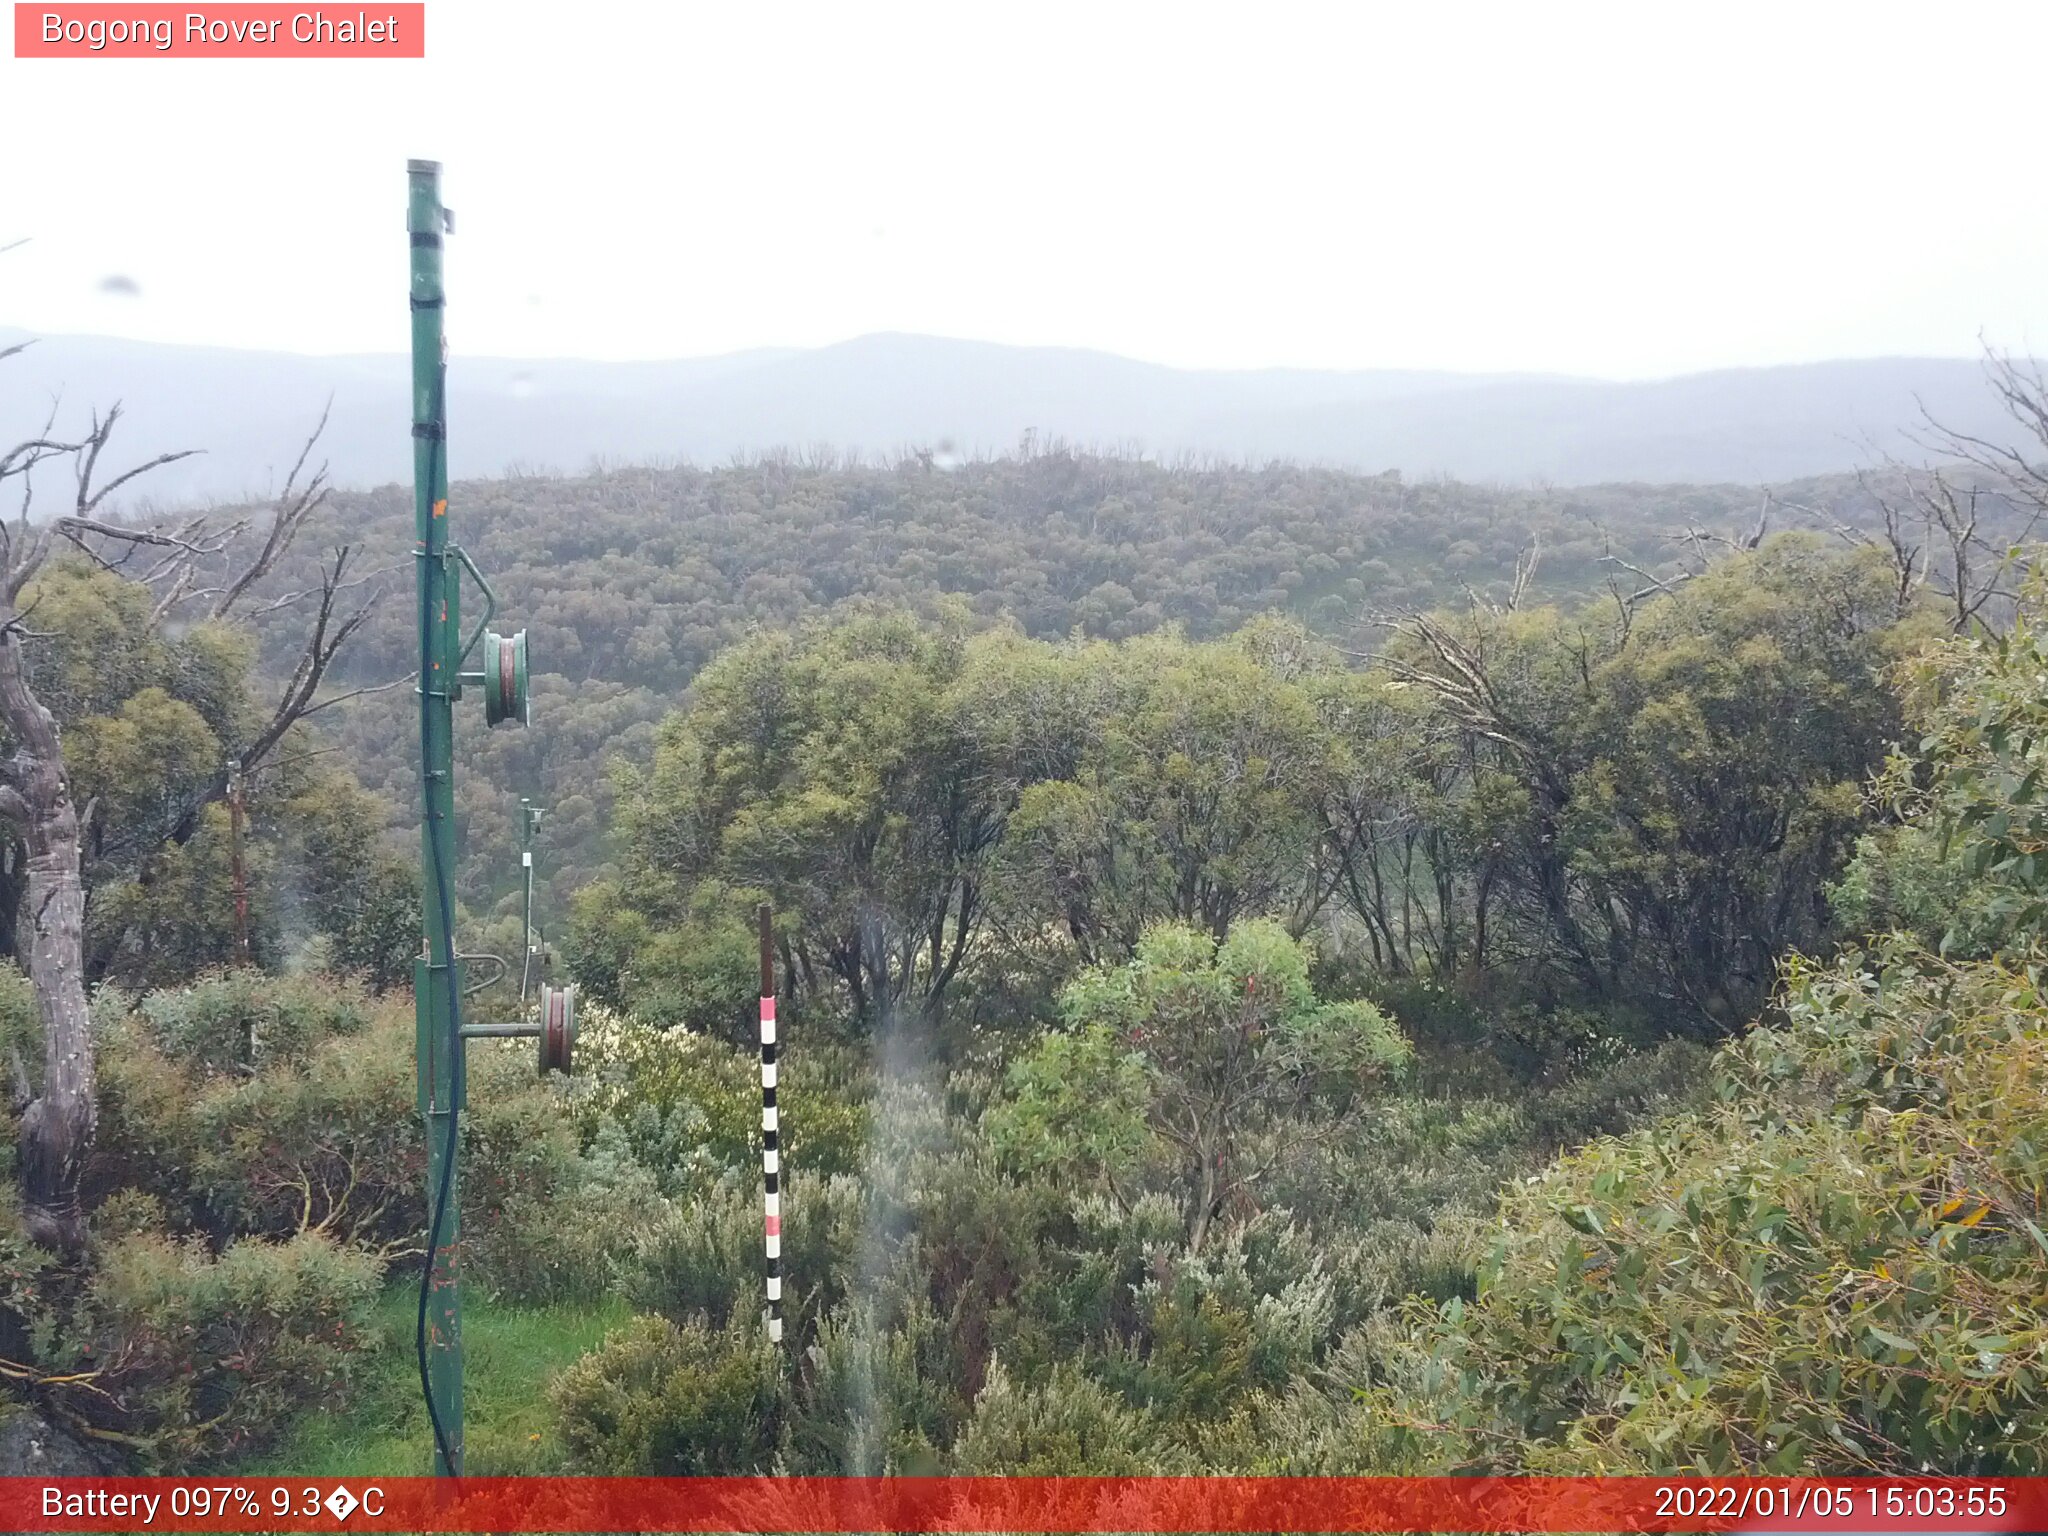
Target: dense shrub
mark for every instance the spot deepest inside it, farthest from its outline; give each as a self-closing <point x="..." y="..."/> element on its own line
<point x="699" y="974"/>
<point x="20" y="1030"/>
<point x="242" y="1021"/>
<point x="1388" y="1260"/>
<point x="686" y="1106"/>
<point x="875" y="1395"/>
<point x="567" y="1237"/>
<point x="326" y="1137"/>
<point x="1173" y="1066"/>
<point x="1962" y="866"/>
<point x="1208" y="1330"/>
<point x="540" y="1250"/>
<point x="1067" y="1425"/>
<point x="701" y="1256"/>
<point x="673" y="1400"/>
<point x="1079" y="1295"/>
<point x="1911" y="880"/>
<point x="1614" y="1093"/>
<point x="1837" y="1268"/>
<point x="199" y="1358"/>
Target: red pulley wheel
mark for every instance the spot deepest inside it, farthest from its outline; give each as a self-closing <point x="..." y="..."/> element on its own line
<point x="505" y="678"/>
<point x="508" y="704"/>
<point x="557" y="1029"/>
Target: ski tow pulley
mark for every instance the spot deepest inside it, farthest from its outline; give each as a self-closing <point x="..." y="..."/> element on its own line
<point x="504" y="669"/>
<point x="557" y="1028"/>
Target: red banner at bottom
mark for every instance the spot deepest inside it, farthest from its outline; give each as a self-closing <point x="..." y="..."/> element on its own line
<point x="1078" y="1504"/>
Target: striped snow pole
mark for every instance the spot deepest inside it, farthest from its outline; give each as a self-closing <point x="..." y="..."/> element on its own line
<point x="771" y="1151"/>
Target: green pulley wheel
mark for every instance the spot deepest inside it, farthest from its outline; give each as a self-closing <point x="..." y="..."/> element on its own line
<point x="504" y="678"/>
<point x="557" y="1029"/>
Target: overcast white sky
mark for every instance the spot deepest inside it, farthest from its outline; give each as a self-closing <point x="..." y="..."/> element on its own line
<point x="1629" y="190"/>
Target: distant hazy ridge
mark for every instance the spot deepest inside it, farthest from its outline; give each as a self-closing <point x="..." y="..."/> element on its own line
<point x="882" y="394"/>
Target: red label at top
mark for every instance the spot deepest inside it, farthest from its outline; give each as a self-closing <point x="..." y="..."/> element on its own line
<point x="231" y="31"/>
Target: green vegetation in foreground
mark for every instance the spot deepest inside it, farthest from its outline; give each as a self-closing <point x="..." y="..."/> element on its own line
<point x="512" y="1352"/>
<point x="1208" y="1054"/>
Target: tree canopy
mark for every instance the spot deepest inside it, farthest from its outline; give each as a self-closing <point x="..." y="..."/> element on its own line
<point x="1581" y="804"/>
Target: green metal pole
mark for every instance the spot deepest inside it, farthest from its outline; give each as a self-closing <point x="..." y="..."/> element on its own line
<point x="440" y="1054"/>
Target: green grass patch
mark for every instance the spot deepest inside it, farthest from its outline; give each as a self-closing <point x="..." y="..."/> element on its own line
<point x="510" y="1355"/>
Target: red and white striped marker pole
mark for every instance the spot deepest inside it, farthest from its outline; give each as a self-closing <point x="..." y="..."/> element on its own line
<point x="771" y="1151"/>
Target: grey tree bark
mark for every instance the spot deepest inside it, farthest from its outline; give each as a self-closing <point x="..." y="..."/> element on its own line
<point x="58" y="1122"/>
<point x="59" y="1115"/>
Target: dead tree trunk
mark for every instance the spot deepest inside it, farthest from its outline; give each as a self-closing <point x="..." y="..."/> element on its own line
<point x="57" y="1122"/>
<point x="59" y="1115"/>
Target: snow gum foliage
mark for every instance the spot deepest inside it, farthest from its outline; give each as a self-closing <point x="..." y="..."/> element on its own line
<point x="1838" y="1266"/>
<point x="1840" y="1263"/>
<point x="1194" y="1053"/>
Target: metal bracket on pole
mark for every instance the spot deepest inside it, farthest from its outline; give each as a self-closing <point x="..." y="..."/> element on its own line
<point x="490" y="611"/>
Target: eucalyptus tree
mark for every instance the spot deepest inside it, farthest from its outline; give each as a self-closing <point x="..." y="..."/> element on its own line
<point x="201" y="568"/>
<point x="1195" y="792"/>
<point x="1193" y="1055"/>
<point x="839" y="773"/>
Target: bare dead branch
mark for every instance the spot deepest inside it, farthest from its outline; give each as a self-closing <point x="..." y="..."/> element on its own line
<point x="1525" y="572"/>
<point x="327" y="636"/>
<point x="295" y="504"/>
<point x="89" y="495"/>
<point x="1652" y="583"/>
<point x="25" y="455"/>
<point x="292" y="599"/>
<point x="75" y="526"/>
<point x="1763" y="524"/>
<point x="353" y="693"/>
<point x="178" y="590"/>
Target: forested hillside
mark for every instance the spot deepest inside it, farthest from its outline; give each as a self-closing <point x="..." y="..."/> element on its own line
<point x="630" y="581"/>
<point x="1280" y="971"/>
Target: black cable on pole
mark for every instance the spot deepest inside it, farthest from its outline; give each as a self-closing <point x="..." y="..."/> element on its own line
<point x="444" y="899"/>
